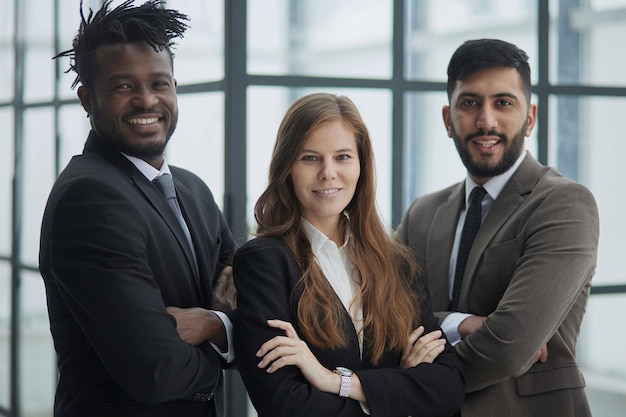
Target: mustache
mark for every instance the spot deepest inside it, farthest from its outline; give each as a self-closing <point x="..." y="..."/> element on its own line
<point x="483" y="132"/>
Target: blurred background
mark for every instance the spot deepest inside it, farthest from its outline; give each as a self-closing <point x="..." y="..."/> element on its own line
<point x="240" y="66"/>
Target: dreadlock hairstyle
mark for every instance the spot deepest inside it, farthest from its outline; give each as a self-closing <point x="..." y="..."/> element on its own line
<point x="125" y="23"/>
<point x="385" y="267"/>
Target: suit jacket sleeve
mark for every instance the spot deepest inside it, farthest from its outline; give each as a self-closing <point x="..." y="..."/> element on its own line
<point x="428" y="389"/>
<point x="265" y="275"/>
<point x="555" y="253"/>
<point x="105" y="258"/>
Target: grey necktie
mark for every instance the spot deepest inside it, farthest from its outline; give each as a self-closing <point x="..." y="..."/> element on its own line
<point x="470" y="228"/>
<point x="165" y="185"/>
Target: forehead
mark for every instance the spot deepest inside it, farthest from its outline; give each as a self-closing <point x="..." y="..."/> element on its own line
<point x="490" y="82"/>
<point x="335" y="133"/>
<point x="132" y="57"/>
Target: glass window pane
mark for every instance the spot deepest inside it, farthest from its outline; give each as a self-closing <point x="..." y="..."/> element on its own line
<point x="594" y="157"/>
<point x="39" y="76"/>
<point x="37" y="357"/>
<point x="74" y="127"/>
<point x="5" y="333"/>
<point x="200" y="54"/>
<point x="38" y="157"/>
<point x="6" y="175"/>
<point x="7" y="54"/>
<point x="351" y="38"/>
<point x="67" y="27"/>
<point x="266" y="108"/>
<point x="437" y="27"/>
<point x="600" y="356"/>
<point x="198" y="143"/>
<point x="584" y="38"/>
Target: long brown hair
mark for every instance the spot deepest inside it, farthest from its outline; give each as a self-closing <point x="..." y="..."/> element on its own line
<point x="390" y="307"/>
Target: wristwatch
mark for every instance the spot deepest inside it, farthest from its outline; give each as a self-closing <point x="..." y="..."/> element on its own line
<point x="346" y="378"/>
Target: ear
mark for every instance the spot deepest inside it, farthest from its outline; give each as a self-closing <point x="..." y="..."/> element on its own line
<point x="85" y="98"/>
<point x="445" y="112"/>
<point x="531" y="119"/>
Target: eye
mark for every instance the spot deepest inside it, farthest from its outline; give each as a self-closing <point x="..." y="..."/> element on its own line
<point x="309" y="158"/>
<point x="124" y="86"/>
<point x="343" y="157"/>
<point x="468" y="102"/>
<point x="504" y="103"/>
<point x="161" y="84"/>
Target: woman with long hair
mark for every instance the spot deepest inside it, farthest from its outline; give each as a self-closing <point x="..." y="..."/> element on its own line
<point x="332" y="319"/>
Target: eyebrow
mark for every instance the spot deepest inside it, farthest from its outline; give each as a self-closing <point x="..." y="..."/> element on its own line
<point x="335" y="151"/>
<point x="117" y="77"/>
<point x="499" y="95"/>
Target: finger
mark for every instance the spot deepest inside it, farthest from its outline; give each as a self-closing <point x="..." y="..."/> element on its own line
<point x="284" y="325"/>
<point x="435" y="334"/>
<point x="227" y="272"/>
<point x="421" y="351"/>
<point x="274" y="343"/>
<point x="415" y="334"/>
<point x="225" y="276"/>
<point x="281" y="362"/>
<point x="432" y="354"/>
<point x="277" y="353"/>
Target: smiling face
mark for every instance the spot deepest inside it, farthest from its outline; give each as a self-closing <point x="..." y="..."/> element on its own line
<point x="326" y="173"/>
<point x="132" y="102"/>
<point x="488" y="118"/>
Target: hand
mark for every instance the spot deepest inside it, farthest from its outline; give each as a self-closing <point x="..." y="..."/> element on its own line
<point x="542" y="355"/>
<point x="196" y="325"/>
<point x="470" y="324"/>
<point x="281" y="351"/>
<point x="422" y="348"/>
<point x="224" y="292"/>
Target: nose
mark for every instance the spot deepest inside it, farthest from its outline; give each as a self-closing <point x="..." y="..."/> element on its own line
<point x="144" y="98"/>
<point x="327" y="171"/>
<point x="487" y="119"/>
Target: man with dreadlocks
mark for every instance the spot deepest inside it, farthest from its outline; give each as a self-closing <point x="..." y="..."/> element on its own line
<point x="131" y="286"/>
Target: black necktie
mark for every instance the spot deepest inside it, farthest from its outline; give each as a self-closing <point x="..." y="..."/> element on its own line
<point x="165" y="184"/>
<point x="470" y="228"/>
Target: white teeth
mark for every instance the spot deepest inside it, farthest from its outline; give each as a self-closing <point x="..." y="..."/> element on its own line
<point x="140" y="121"/>
<point x="487" y="144"/>
<point x="330" y="191"/>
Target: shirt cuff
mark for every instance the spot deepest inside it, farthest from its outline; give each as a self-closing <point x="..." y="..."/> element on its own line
<point x="229" y="355"/>
<point x="450" y="326"/>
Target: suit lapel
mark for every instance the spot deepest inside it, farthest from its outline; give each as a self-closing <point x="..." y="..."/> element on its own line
<point x="439" y="245"/>
<point x="510" y="199"/>
<point x="151" y="193"/>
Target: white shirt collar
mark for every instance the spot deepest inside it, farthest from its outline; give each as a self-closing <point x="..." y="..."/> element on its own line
<point x="317" y="238"/>
<point x="146" y="169"/>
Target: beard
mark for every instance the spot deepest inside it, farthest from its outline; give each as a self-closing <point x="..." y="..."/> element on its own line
<point x="512" y="151"/>
<point x="141" y="149"/>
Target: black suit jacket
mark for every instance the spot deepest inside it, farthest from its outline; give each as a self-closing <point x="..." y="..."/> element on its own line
<point x="266" y="277"/>
<point x="113" y="256"/>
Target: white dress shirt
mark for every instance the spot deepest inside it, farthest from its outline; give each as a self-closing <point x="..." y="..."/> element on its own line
<point x="494" y="186"/>
<point x="340" y="273"/>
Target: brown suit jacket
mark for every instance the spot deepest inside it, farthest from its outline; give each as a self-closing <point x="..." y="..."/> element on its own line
<point x="529" y="271"/>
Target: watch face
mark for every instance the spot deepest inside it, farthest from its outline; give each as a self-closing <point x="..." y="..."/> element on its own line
<point x="344" y="371"/>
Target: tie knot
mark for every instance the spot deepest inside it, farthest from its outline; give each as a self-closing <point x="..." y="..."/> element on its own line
<point x="165" y="184"/>
<point x="477" y="195"/>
